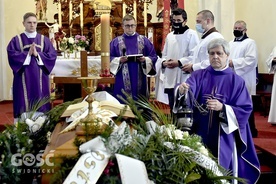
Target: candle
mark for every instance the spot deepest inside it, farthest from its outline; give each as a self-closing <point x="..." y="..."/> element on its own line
<point x="145" y="15"/>
<point x="134" y="9"/>
<point x="124" y="9"/>
<point x="81" y="15"/>
<point x="70" y="12"/>
<point x="59" y="14"/>
<point x="105" y="49"/>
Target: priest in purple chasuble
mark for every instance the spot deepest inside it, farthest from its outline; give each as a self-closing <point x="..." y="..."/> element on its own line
<point x="131" y="72"/>
<point x="222" y="120"/>
<point x="31" y="57"/>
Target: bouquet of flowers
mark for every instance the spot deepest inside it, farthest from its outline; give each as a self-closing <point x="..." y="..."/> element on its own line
<point x="67" y="44"/>
<point x="81" y="42"/>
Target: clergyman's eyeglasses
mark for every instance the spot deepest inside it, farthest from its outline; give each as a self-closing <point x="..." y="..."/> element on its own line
<point x="130" y="26"/>
<point x="217" y="53"/>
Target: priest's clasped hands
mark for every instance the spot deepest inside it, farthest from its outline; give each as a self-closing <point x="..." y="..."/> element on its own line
<point x="32" y="50"/>
<point x="212" y="104"/>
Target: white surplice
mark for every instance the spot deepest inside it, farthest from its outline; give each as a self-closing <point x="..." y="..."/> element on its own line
<point x="245" y="59"/>
<point x="200" y="55"/>
<point x="272" y="70"/>
<point x="180" y="47"/>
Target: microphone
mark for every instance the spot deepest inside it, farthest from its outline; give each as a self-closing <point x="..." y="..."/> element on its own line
<point x="124" y="51"/>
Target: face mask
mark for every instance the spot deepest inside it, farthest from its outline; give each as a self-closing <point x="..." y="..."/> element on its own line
<point x="177" y="25"/>
<point x="199" y="28"/>
<point x="238" y="33"/>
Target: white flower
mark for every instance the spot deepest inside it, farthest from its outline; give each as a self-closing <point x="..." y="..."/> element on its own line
<point x="71" y="40"/>
<point x="185" y="134"/>
<point x="178" y="134"/>
<point x="203" y="150"/>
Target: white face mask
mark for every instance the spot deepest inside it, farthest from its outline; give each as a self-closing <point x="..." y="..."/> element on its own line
<point x="199" y="28"/>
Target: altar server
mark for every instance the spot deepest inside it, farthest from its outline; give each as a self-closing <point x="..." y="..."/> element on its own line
<point x="271" y="64"/>
<point x="244" y="59"/>
<point x="204" y="25"/>
<point x="178" y="50"/>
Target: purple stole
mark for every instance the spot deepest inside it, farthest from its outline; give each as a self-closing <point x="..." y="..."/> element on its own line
<point x="125" y="71"/>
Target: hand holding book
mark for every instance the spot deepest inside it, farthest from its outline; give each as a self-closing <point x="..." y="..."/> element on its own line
<point x="134" y="57"/>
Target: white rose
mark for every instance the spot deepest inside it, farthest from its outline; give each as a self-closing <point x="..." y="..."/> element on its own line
<point x="168" y="132"/>
<point x="203" y="150"/>
<point x="71" y="40"/>
<point x="178" y="134"/>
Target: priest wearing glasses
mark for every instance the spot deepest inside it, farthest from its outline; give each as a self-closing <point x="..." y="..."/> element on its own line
<point x="222" y="119"/>
<point x="132" y="58"/>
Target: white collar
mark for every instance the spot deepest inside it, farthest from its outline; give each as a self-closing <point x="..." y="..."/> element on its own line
<point x="30" y="35"/>
<point x="131" y="35"/>
<point x="222" y="68"/>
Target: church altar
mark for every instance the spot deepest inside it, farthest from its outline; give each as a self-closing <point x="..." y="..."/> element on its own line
<point x="72" y="67"/>
<point x="66" y="72"/>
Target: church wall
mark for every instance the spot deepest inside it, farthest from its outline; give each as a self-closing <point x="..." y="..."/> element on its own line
<point x="3" y="75"/>
<point x="260" y="18"/>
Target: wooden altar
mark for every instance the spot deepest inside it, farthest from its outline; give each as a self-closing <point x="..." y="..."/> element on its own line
<point x="91" y="21"/>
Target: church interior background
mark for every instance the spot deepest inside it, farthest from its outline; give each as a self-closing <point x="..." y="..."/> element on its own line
<point x="259" y="18"/>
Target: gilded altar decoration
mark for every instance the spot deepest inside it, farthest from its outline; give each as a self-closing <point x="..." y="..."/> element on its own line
<point x="41" y="9"/>
<point x="101" y="6"/>
<point x="94" y="70"/>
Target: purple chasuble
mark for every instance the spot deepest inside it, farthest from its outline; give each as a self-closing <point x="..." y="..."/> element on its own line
<point x="30" y="82"/>
<point x="229" y="89"/>
<point x="130" y="76"/>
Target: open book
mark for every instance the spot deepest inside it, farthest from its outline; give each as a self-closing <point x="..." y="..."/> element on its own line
<point x="115" y="107"/>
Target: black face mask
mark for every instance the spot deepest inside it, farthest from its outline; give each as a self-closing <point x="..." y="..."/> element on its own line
<point x="237" y="33"/>
<point x="177" y="25"/>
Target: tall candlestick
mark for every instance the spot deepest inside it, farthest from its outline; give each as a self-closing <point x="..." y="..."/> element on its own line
<point x="59" y="14"/>
<point x="105" y="49"/>
<point x="81" y="17"/>
<point x="70" y="12"/>
<point x="145" y="15"/>
<point x="124" y="9"/>
<point x="134" y="9"/>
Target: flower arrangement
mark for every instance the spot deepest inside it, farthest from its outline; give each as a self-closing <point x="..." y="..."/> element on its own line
<point x="169" y="154"/>
<point x="81" y="42"/>
<point x="67" y="44"/>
